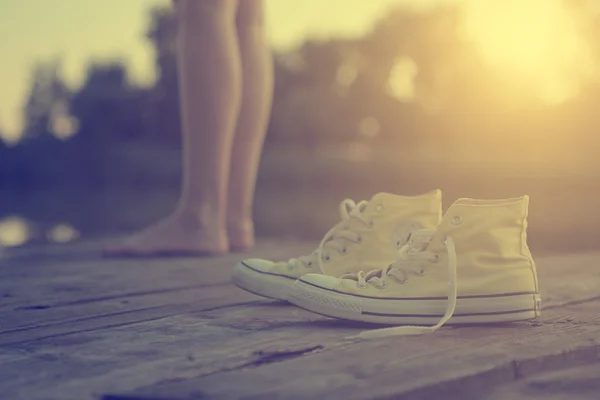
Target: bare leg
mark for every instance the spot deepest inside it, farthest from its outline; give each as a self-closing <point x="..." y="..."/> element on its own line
<point x="210" y="85"/>
<point x="257" y="78"/>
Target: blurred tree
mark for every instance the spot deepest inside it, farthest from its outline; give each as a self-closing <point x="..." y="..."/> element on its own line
<point x="413" y="81"/>
<point x="48" y="90"/>
<point x="430" y="39"/>
<point x="5" y="162"/>
<point x="312" y="85"/>
<point x="107" y="106"/>
<point x="110" y="111"/>
<point x="163" y="101"/>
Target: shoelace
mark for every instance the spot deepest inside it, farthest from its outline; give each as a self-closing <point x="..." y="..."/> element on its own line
<point x="409" y="260"/>
<point x="336" y="238"/>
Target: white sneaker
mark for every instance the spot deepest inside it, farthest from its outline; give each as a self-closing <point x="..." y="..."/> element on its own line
<point x="475" y="267"/>
<point x="366" y="238"/>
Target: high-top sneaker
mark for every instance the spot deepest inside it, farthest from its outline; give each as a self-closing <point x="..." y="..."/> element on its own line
<point x="475" y="267"/>
<point x="366" y="238"/>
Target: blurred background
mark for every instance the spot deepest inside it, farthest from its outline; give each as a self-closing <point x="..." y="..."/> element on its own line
<point x="493" y="98"/>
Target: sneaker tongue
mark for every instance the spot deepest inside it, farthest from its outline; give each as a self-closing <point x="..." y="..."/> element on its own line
<point x="420" y="245"/>
<point x="420" y="240"/>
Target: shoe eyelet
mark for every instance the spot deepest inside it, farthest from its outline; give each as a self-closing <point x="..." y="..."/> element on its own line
<point x="359" y="239"/>
<point x="310" y="263"/>
<point x="383" y="286"/>
<point x="371" y="223"/>
<point x="456" y="220"/>
<point x="326" y="258"/>
<point x="344" y="250"/>
<point x="421" y="272"/>
<point x="435" y="258"/>
<point x="379" y="207"/>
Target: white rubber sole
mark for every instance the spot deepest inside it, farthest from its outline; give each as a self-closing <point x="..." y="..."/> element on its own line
<point x="421" y="311"/>
<point x="262" y="283"/>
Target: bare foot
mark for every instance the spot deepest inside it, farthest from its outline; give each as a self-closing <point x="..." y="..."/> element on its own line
<point x="176" y="235"/>
<point x="241" y="236"/>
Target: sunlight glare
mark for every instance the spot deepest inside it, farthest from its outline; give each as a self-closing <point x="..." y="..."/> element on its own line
<point x="62" y="233"/>
<point x="61" y="124"/>
<point x="402" y="79"/>
<point x="14" y="231"/>
<point x="536" y="39"/>
<point x="369" y="127"/>
<point x="346" y="75"/>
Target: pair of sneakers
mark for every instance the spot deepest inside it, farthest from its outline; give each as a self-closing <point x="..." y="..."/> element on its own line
<point x="398" y="260"/>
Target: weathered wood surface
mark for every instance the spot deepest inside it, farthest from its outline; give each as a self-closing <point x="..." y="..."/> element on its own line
<point x="74" y="326"/>
<point x="62" y="290"/>
<point x="581" y="383"/>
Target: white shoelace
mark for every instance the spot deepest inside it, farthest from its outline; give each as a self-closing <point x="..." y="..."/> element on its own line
<point x="410" y="260"/>
<point x="337" y="237"/>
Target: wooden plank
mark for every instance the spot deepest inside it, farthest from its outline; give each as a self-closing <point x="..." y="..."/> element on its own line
<point x="579" y="383"/>
<point x="121" y="349"/>
<point x="451" y="364"/>
<point x="75" y="320"/>
<point x="76" y="296"/>
<point x="59" y="283"/>
<point x="136" y="355"/>
<point x="204" y="344"/>
<point x="568" y="278"/>
<point x="155" y="289"/>
<point x="554" y="277"/>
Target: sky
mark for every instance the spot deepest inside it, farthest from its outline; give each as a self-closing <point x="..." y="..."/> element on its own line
<point x="84" y="30"/>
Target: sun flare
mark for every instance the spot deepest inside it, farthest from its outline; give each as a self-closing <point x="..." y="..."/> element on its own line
<point x="535" y="40"/>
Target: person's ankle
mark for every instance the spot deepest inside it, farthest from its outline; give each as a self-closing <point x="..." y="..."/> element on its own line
<point x="241" y="234"/>
<point x="200" y="219"/>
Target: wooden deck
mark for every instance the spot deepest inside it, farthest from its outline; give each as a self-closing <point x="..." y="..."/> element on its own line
<point x="76" y="326"/>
